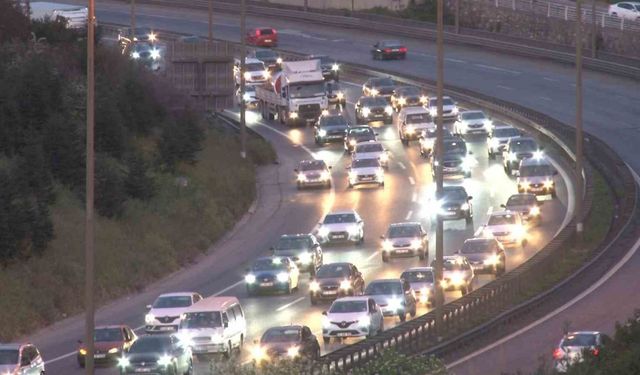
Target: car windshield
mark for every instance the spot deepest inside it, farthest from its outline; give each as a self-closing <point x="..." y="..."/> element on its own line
<point x="348" y="307"/>
<point x="450" y="265"/>
<point x="8" y="356"/>
<point x="417" y="276"/>
<point x="293" y="243"/>
<point x="365" y="163"/>
<point x="579" y="340"/>
<point x="333" y="270"/>
<point x="339" y="218"/>
<point x="144" y="31"/>
<point x="523" y="145"/>
<point x="324" y="60"/>
<point x="521" y="200"/>
<point x="266" y="54"/>
<point x="312" y="166"/>
<point x="207" y="319"/>
<point x="536" y="170"/>
<point x="332" y="86"/>
<point x="338" y="120"/>
<point x="384" y="288"/>
<point x="382" y="82"/>
<point x="269" y="264"/>
<point x="107" y="334"/>
<point x="473" y="116"/>
<point x="454" y="146"/>
<point x="357" y="132"/>
<point x="400" y="231"/>
<point x="369" y="147"/>
<point x="254" y="67"/>
<point x="505" y="132"/>
<point x="409" y="91"/>
<point x="151" y="344"/>
<point x="455" y="194"/>
<point x="476" y="246"/>
<point x="418" y="118"/>
<point x="307" y="90"/>
<point x="284" y="334"/>
<point x="502" y="219"/>
<point x="374" y="101"/>
<point x="445" y="101"/>
<point x="169" y="302"/>
<point x="266" y="31"/>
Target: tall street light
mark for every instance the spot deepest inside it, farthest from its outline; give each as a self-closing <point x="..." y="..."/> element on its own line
<point x="210" y="21"/>
<point x="579" y="137"/>
<point x="133" y="20"/>
<point x="243" y="56"/>
<point x="89" y="184"/>
<point x="438" y="165"/>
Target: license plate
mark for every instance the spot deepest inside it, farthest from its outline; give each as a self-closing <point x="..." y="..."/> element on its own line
<point x="338" y="236"/>
<point x="342" y="334"/>
<point x="99" y="356"/>
<point x="142" y="369"/>
<point x="330" y="293"/>
<point x="266" y="284"/>
<point x="366" y="178"/>
<point x="268" y="40"/>
<point x="395" y="50"/>
<point x="167" y="328"/>
<point x="402" y="251"/>
<point x="448" y="169"/>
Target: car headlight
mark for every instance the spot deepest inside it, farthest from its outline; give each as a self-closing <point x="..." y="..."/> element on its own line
<point x="366" y="111"/>
<point x="352" y="176"/>
<point x="314" y="286"/>
<point x="433" y="112"/>
<point x="454" y="110"/>
<point x="266" y="74"/>
<point x="493" y="142"/>
<point x="279" y="60"/>
<point x="149" y="318"/>
<point x="387" y="245"/>
<point x="468" y="162"/>
<point x="416" y="244"/>
<point x="388" y="110"/>
<point x="340" y="95"/>
<point x="326" y="323"/>
<point x="135" y="55"/>
<point x="538" y="154"/>
<point x="293" y="352"/>
<point x="154" y="54"/>
<point x="524" y="184"/>
<point x="365" y="321"/>
<point x="335" y="67"/>
<point x="402" y="101"/>
<point x="464" y="207"/>
<point x="184" y="339"/>
<point x="512" y="156"/>
<point x="293" y="115"/>
<point x="384" y="157"/>
<point x="345" y="285"/>
<point x="165" y="360"/>
<point x="518" y="232"/>
<point x="323" y="231"/>
<point x="83" y="351"/>
<point x="424" y="99"/>
<point x="302" y="177"/>
<point x="374" y="92"/>
<point x="258" y="353"/>
<point x="457" y="278"/>
<point x="380" y="174"/>
<point x="353" y="142"/>
<point x="283" y="277"/>
<point x="325" y="112"/>
<point x="353" y="230"/>
<point x="250" y="278"/>
<point x="322" y="132"/>
<point x="409" y="129"/>
<point x="246" y="97"/>
<point x="123" y="362"/>
<point x="152" y="37"/>
<point x="424" y="294"/>
<point x="113" y="350"/>
<point x="305" y="258"/>
<point x="247" y="76"/>
<point x="534" y="211"/>
<point x="488" y="123"/>
<point x="548" y="184"/>
<point x="325" y="175"/>
<point x="394" y="304"/>
<point x="492" y="260"/>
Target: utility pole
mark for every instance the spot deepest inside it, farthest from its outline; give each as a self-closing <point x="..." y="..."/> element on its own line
<point x="133" y="20"/>
<point x="89" y="185"/>
<point x="579" y="137"/>
<point x="210" y="21"/>
<point x="243" y="56"/>
<point x="457" y="16"/>
<point x="594" y="30"/>
<point x="438" y="164"/>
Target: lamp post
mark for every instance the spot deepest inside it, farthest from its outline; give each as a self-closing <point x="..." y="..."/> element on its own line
<point x="438" y="166"/>
<point x="579" y="137"/>
<point x="210" y="21"/>
<point x="243" y="56"/>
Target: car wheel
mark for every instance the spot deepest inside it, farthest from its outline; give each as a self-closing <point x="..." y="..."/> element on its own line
<point x="313" y="301"/>
<point x="463" y="290"/>
<point x="385" y="257"/>
<point x="326" y="339"/>
<point x="553" y="193"/>
<point x="421" y="255"/>
<point x="403" y="316"/>
<point x="413" y="312"/>
<point x="468" y="219"/>
<point x="189" y="368"/>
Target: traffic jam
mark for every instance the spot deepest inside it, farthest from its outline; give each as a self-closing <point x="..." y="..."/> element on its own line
<point x="348" y="279"/>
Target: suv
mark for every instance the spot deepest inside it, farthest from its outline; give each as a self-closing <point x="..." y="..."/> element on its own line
<point x="352" y="317"/>
<point x="405" y="239"/>
<point x="472" y="122"/>
<point x="411" y="122"/>
<point x="303" y="249"/>
<point x="394" y="296"/>
<point x="516" y="150"/>
<point x="499" y="137"/>
<point x="20" y="359"/>
<point x="486" y="255"/>
<point x="457" y="273"/>
<point x="537" y="176"/>
<point x="335" y="280"/>
<point x="571" y="348"/>
<point x="330" y="128"/>
<point x="506" y="227"/>
<point x="164" y="314"/>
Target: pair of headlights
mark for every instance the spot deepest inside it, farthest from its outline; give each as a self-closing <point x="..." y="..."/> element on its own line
<point x="281" y="277"/>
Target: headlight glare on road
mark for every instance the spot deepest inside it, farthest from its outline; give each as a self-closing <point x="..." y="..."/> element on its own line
<point x="345" y="284"/>
<point x="123" y="362"/>
<point x="293" y="352"/>
<point x="305" y="258"/>
<point x="283" y="277"/>
<point x="250" y="278"/>
<point x="492" y="260"/>
<point x="149" y="318"/>
<point x="314" y="286"/>
<point x="416" y="244"/>
<point x="534" y="211"/>
<point x="365" y="321"/>
<point x="388" y="110"/>
<point x="366" y="111"/>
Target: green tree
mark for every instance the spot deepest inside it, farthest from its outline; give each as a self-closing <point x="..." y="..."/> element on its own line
<point x="139" y="183"/>
<point x="14" y="25"/>
<point x="109" y="186"/>
<point x="181" y="140"/>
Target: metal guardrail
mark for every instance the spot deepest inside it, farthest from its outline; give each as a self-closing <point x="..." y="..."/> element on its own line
<point x="627" y="67"/>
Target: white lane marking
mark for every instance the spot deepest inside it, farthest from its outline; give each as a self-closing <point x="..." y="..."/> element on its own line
<point x="401" y="164"/>
<point x="490" y="210"/>
<point x="504" y="87"/>
<point x="227" y="288"/>
<point x="283" y="307"/>
<point x="491" y="67"/>
<point x="372" y="256"/>
<point x="408" y="215"/>
<point x="549" y="79"/>
<point x="562" y="308"/>
<point x="350" y="83"/>
<point x="414" y="197"/>
<point x="412" y="181"/>
<point x="56" y="359"/>
<point x="545" y="98"/>
<point x="455" y="60"/>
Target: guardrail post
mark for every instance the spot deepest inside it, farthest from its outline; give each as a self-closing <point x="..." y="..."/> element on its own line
<point x="548" y="9"/>
<point x="621" y="24"/>
<point x="497" y="5"/>
<point x="513" y="4"/>
<point x="566" y="13"/>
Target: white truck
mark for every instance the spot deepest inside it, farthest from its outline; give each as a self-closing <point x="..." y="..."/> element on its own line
<point x="296" y="94"/>
<point x="76" y="15"/>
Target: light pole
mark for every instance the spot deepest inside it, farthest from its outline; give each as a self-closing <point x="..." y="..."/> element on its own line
<point x="210" y="21"/>
<point x="133" y="20"/>
<point x="89" y="185"/>
<point x="243" y="56"/>
<point x="594" y="30"/>
<point x="438" y="165"/>
<point x="579" y="137"/>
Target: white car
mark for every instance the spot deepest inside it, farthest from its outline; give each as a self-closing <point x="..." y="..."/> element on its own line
<point x="457" y="273"/>
<point x="341" y="226"/>
<point x="23" y="359"/>
<point x="411" y="122"/>
<point x="250" y="99"/>
<point x="499" y="137"/>
<point x="422" y="281"/>
<point x="629" y="10"/>
<point x="165" y="312"/>
<point x="313" y="173"/>
<point x="571" y="348"/>
<point x="352" y="317"/>
<point x="449" y="107"/>
<point x="255" y="73"/>
<point x="472" y="122"/>
<point x="536" y="176"/>
<point x="366" y="171"/>
<point x="507" y="227"/>
<point x="371" y="150"/>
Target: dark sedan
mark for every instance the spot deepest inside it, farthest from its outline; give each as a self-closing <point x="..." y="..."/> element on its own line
<point x="516" y="150"/>
<point x="330" y="67"/>
<point x="269" y="57"/>
<point x="358" y="134"/>
<point x="335" y="94"/>
<point x="330" y="128"/>
<point x="335" y="280"/>
<point x="408" y="96"/>
<point x="486" y="255"/>
<point x="273" y="274"/>
<point x="109" y="344"/>
<point x="373" y="108"/>
<point x="389" y="49"/>
<point x="292" y="341"/>
<point x="157" y="354"/>
<point x="303" y="249"/>
<point x="379" y="86"/>
<point x="455" y="204"/>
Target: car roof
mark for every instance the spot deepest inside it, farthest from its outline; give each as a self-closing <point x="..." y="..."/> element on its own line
<point x="213" y="303"/>
<point x="369" y="142"/>
<point x="268" y="258"/>
<point x="252" y="60"/>
<point x="413" y="110"/>
<point x="404" y="224"/>
<point x="504" y="213"/>
<point x="453" y="257"/>
<point x="177" y="294"/>
<point x="312" y="162"/>
<point x="533" y="161"/>
<point x="353" y="298"/>
<point x="292" y="326"/>
<point x="347" y="264"/>
<point x="398" y="280"/>
<point x="11" y="346"/>
<point x="500" y="125"/>
<point x="424" y="269"/>
<point x="520" y="139"/>
<point x="472" y="111"/>
<point x="529" y="195"/>
<point x="480" y="239"/>
<point x="297" y="235"/>
<point x="340" y="212"/>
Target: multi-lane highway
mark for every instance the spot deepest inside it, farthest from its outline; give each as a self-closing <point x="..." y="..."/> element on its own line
<point x="611" y="111"/>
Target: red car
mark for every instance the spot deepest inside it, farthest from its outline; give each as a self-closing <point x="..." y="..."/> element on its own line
<point x="262" y="37"/>
<point x="110" y="343"/>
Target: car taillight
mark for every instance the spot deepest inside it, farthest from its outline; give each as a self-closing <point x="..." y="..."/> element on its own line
<point x="595" y="351"/>
<point x="558" y="353"/>
<point x="403" y="49"/>
<point x="257" y="32"/>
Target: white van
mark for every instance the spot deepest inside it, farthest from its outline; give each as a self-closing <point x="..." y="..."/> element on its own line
<point x="213" y="325"/>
